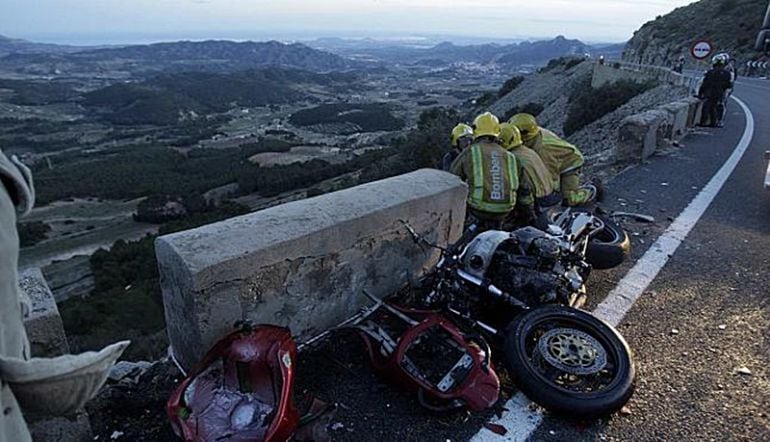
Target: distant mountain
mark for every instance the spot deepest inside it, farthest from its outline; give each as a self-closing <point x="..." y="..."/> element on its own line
<point x="211" y="55"/>
<point x="445" y="53"/>
<point x="16" y="45"/>
<point x="731" y="25"/>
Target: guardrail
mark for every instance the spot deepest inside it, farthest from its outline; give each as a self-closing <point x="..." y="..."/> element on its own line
<point x="614" y="70"/>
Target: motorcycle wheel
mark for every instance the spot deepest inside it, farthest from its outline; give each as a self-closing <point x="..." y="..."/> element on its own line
<point x="607" y="249"/>
<point x="569" y="361"/>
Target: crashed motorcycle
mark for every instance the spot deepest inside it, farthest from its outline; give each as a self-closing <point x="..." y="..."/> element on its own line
<point x="521" y="290"/>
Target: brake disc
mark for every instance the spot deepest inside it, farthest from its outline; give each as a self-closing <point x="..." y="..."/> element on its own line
<point x="572" y="351"/>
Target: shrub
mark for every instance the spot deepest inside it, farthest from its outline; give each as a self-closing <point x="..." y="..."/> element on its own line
<point x="370" y="117"/>
<point x="486" y="99"/>
<point x="587" y="105"/>
<point x="511" y="84"/>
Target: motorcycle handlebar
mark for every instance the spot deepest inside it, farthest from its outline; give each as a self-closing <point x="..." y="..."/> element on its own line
<point x="467" y="235"/>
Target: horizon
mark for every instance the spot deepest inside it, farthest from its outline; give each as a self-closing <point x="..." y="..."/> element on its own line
<point x="288" y="38"/>
<point x="109" y="22"/>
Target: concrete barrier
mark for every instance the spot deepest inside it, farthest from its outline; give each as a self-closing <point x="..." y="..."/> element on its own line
<point x="43" y="323"/>
<point x="638" y="136"/>
<point x="47" y="338"/>
<point x="613" y="70"/>
<point x="678" y="113"/>
<point x="303" y="264"/>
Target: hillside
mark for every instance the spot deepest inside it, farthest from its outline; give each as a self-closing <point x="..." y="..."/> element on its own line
<point x="16" y="45"/>
<point x="560" y="94"/>
<point x="731" y="25"/>
<point x="211" y="55"/>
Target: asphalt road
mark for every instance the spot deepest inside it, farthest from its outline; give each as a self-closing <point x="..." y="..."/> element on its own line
<point x="704" y="316"/>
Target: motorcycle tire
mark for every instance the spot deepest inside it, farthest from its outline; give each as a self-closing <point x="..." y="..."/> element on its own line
<point x="607" y="249"/>
<point x="598" y="391"/>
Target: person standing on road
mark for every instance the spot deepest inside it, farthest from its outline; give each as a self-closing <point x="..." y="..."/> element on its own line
<point x="563" y="160"/>
<point x="491" y="173"/>
<point x="716" y="82"/>
<point x="461" y="137"/>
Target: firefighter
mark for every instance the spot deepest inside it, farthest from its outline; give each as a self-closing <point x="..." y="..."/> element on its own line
<point x="491" y="173"/>
<point x="461" y="137"/>
<point x="536" y="183"/>
<point x="563" y="160"/>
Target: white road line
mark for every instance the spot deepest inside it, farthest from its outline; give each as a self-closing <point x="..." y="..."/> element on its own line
<point x="521" y="418"/>
<point x="631" y="287"/>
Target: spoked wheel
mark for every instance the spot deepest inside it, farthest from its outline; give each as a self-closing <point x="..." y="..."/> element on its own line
<point x="569" y="361"/>
<point x="607" y="249"/>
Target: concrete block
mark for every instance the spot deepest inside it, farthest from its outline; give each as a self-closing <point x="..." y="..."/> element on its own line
<point x="695" y="107"/>
<point x="638" y="136"/>
<point x="43" y="323"/>
<point x="679" y="114"/>
<point x="45" y="331"/>
<point x="303" y="264"/>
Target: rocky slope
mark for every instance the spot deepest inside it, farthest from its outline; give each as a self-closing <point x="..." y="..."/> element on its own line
<point x="552" y="88"/>
<point x="731" y="25"/>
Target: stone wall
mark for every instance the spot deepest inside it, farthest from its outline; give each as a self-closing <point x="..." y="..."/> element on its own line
<point x="612" y="71"/>
<point x="303" y="264"/>
<point x="640" y="135"/>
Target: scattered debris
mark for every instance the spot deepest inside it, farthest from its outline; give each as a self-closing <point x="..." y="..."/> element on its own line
<point x="636" y="216"/>
<point x="744" y="371"/>
<point x="116" y="434"/>
<point x="722" y="327"/>
<point x="674" y="331"/>
<point x="126" y="372"/>
<point x="625" y="411"/>
<point x="496" y="428"/>
<point x="664" y="184"/>
<point x="337" y="426"/>
<point x="552" y="433"/>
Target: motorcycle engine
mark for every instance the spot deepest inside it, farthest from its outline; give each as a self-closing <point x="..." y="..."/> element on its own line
<point x="527" y="263"/>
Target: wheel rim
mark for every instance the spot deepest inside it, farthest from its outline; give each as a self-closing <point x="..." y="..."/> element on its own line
<point x="572" y="351"/>
<point x="571" y="355"/>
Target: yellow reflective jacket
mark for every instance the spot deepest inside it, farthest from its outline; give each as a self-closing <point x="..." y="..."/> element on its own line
<point x="534" y="171"/>
<point x="559" y="156"/>
<point x="492" y="176"/>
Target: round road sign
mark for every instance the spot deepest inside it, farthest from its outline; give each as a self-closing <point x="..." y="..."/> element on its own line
<point x="701" y="49"/>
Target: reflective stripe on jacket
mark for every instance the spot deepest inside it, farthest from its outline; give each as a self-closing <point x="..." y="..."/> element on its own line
<point x="492" y="176"/>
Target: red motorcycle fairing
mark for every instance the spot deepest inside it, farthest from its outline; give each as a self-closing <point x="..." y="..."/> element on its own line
<point x="240" y="391"/>
<point x="432" y="356"/>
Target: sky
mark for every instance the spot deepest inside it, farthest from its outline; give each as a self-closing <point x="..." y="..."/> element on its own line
<point x="143" y="21"/>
